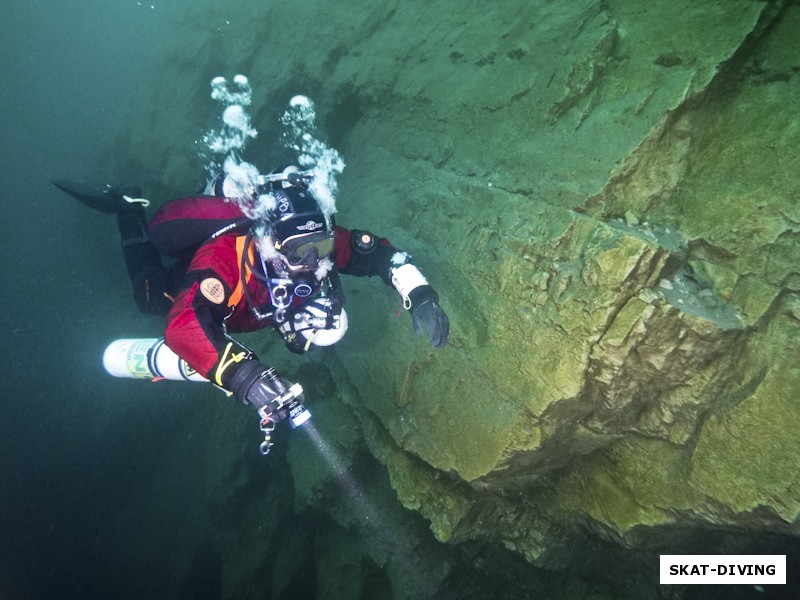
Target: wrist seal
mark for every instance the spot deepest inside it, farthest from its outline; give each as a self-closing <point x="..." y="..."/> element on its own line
<point x="405" y="279"/>
<point x="422" y="294"/>
<point x="244" y="377"/>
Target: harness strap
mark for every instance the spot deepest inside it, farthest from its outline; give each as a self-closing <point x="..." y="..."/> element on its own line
<point x="244" y="279"/>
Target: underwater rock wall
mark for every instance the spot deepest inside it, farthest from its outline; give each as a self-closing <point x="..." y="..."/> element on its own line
<point x="605" y="195"/>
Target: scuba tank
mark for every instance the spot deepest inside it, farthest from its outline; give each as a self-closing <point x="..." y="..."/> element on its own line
<point x="148" y="358"/>
<point x="182" y="225"/>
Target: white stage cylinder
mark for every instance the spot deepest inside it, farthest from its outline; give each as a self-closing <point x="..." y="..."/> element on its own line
<point x="148" y="358"/>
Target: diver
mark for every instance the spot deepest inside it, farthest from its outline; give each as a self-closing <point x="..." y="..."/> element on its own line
<point x="233" y="273"/>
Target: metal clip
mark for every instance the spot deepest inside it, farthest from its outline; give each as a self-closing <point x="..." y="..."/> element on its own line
<point x="288" y="400"/>
<point x="267" y="427"/>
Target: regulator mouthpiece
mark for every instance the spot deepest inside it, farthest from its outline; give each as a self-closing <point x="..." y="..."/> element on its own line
<point x="317" y="323"/>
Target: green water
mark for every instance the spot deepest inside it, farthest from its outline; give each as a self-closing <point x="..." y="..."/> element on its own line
<point x="472" y="142"/>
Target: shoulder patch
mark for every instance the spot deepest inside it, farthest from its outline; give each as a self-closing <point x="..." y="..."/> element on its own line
<point x="213" y="290"/>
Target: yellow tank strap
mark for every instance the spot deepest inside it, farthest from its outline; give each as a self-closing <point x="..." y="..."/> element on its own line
<point x="238" y="291"/>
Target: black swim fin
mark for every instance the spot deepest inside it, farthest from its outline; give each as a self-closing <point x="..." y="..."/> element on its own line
<point x="108" y="200"/>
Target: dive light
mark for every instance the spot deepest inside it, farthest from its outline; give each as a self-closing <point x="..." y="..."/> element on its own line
<point x="151" y="358"/>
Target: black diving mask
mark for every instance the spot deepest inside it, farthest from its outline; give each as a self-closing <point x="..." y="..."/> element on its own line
<point x="303" y="252"/>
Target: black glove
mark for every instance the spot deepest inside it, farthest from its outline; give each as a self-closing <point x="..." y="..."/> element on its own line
<point x="425" y="310"/>
<point x="259" y="386"/>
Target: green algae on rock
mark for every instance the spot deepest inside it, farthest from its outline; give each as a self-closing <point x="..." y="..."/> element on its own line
<point x="605" y="196"/>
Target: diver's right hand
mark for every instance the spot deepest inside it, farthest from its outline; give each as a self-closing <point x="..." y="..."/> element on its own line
<point x="259" y="386"/>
